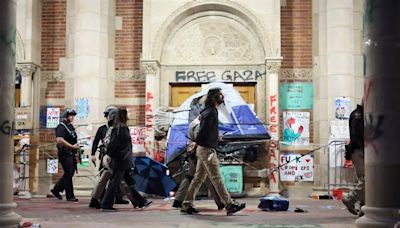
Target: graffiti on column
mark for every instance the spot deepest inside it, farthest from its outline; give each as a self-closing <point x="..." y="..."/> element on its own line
<point x="273" y="129"/>
<point x="373" y="124"/>
<point x="149" y="119"/>
<point x="7" y="127"/>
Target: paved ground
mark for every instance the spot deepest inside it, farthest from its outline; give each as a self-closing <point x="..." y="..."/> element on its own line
<point x="56" y="213"/>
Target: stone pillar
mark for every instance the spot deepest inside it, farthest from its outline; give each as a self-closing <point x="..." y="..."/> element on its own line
<point x="337" y="57"/>
<point x="27" y="71"/>
<point x="382" y="108"/>
<point x="273" y="68"/>
<point x="8" y="218"/>
<point x="152" y="71"/>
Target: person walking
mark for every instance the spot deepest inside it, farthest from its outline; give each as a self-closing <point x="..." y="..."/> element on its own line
<point x="208" y="164"/>
<point x="67" y="146"/>
<point x="105" y="174"/>
<point x="189" y="170"/>
<point x="355" y="153"/>
<point x="120" y="150"/>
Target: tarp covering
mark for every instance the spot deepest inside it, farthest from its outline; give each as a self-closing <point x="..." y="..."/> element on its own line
<point x="236" y="119"/>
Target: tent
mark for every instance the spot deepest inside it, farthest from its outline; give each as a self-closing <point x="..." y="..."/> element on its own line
<point x="236" y="118"/>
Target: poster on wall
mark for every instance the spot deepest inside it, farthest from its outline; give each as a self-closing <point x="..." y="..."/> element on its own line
<point x="52" y="165"/>
<point x="82" y="108"/>
<point x="294" y="167"/>
<point x="296" y="95"/>
<point x="296" y="127"/>
<point x="52" y="117"/>
<point x="342" y="108"/>
<point x="138" y="135"/>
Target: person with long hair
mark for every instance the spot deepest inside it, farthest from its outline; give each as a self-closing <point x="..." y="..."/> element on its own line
<point x="208" y="164"/>
<point x="120" y="150"/>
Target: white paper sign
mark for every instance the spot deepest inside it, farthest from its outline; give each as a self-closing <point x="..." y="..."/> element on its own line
<point x="296" y="168"/>
<point x="296" y="128"/>
<point x="138" y="135"/>
<point x="52" y="117"/>
<point x="52" y="166"/>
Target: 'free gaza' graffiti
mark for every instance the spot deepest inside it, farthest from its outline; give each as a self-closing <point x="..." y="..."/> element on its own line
<point x="228" y="75"/>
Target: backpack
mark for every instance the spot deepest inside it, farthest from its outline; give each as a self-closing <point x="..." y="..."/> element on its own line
<point x="106" y="159"/>
<point x="194" y="128"/>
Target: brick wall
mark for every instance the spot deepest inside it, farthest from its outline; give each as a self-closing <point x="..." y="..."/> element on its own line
<point x="296" y="35"/>
<point x="55" y="89"/>
<point x="130" y="89"/>
<point x="128" y="49"/>
<point x="128" y="40"/>
<point x="53" y="33"/>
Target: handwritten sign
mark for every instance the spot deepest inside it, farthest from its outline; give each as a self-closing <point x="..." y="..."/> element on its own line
<point x="138" y="135"/>
<point x="23" y="118"/>
<point x="294" y="167"/>
<point x="52" y="166"/>
<point x="296" y="128"/>
<point x="52" y="117"/>
<point x="296" y="95"/>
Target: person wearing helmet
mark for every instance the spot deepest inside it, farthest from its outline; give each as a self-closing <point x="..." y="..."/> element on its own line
<point x="67" y="145"/>
<point x="109" y="114"/>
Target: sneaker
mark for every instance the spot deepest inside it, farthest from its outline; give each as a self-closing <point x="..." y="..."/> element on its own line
<point x="56" y="194"/>
<point x="221" y="206"/>
<point x="109" y="209"/>
<point x="94" y="203"/>
<point x="72" y="199"/>
<point x="189" y="210"/>
<point x="177" y="204"/>
<point x="350" y="206"/>
<point x="121" y="201"/>
<point x="235" y="207"/>
<point x="146" y="203"/>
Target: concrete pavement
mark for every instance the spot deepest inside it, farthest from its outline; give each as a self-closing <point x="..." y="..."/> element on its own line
<point x="50" y="212"/>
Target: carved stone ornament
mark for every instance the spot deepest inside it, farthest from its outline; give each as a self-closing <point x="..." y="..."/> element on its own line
<point x="296" y="73"/>
<point x="150" y="67"/>
<point x="52" y="75"/>
<point x="122" y="75"/>
<point x="273" y="67"/>
<point x="27" y="69"/>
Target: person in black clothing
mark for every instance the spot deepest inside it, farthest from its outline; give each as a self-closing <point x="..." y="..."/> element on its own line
<point x="67" y="146"/>
<point x="105" y="175"/>
<point x="355" y="153"/>
<point x="208" y="164"/>
<point x="120" y="150"/>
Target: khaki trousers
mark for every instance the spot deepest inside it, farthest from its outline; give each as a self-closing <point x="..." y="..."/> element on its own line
<point x="207" y="166"/>
<point x="358" y="192"/>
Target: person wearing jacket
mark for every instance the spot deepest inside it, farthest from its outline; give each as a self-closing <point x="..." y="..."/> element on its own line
<point x="120" y="150"/>
<point x="208" y="164"/>
<point x="105" y="174"/>
<point x="355" y="153"/>
<point x="67" y="146"/>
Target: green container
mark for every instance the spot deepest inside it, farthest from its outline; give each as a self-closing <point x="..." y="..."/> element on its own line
<point x="232" y="176"/>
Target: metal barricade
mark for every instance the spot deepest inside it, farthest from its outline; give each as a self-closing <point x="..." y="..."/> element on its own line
<point x="339" y="176"/>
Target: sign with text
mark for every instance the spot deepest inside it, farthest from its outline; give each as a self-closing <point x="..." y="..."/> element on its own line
<point x="296" y="130"/>
<point x="296" y="95"/>
<point x="23" y="118"/>
<point x="295" y="167"/>
<point x="52" y="117"/>
<point x="221" y="75"/>
<point x="138" y="135"/>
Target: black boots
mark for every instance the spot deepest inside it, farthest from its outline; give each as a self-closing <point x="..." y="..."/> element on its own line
<point x="94" y="203"/>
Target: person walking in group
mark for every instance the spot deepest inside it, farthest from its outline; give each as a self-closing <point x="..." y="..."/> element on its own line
<point x="189" y="169"/>
<point x="105" y="174"/>
<point x="208" y="164"/>
<point x="355" y="153"/>
<point x="67" y="146"/>
<point x="120" y="150"/>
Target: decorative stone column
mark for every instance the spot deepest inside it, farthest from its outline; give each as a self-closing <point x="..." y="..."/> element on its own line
<point x="8" y="218"/>
<point x="273" y="68"/>
<point x="27" y="71"/>
<point x="152" y="71"/>
<point x="381" y="112"/>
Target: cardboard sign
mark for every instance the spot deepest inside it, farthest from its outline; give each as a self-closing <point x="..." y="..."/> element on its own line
<point x="23" y="118"/>
<point x="294" y="167"/>
<point x="138" y="135"/>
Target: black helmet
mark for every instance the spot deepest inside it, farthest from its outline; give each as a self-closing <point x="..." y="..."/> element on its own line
<point x="112" y="114"/>
<point x="108" y="109"/>
<point x="68" y="112"/>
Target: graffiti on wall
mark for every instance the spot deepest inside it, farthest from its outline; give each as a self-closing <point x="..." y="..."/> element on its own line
<point x="227" y="75"/>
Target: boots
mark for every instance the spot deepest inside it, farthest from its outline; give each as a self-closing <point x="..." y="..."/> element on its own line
<point x="94" y="203"/>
